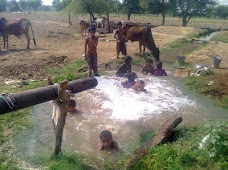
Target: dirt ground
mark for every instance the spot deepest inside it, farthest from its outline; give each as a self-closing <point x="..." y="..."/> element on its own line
<point x="58" y="44"/>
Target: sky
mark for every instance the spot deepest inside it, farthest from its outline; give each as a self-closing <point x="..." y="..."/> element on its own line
<point x="49" y="2"/>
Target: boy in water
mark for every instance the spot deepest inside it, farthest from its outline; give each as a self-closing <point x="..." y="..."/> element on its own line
<point x="120" y="44"/>
<point x="71" y="107"/>
<point x="106" y="141"/>
<point x="130" y="80"/>
<point x="139" y="86"/>
<point x="159" y="71"/>
<point x="125" y="67"/>
<point x="148" y="68"/>
<point x="91" y="54"/>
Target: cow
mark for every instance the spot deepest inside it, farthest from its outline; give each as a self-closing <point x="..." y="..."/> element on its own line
<point x="15" y="27"/>
<point x="100" y="22"/>
<point x="110" y="26"/>
<point x="84" y="27"/>
<point x="143" y="34"/>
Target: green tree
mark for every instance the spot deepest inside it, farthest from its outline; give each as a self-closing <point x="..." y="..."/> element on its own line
<point x="13" y="5"/>
<point x="222" y="11"/>
<point x="131" y="7"/>
<point x="156" y="7"/>
<point x="58" y="5"/>
<point x="187" y="9"/>
<point x="2" y="5"/>
<point x="34" y="4"/>
<point x="23" y="4"/>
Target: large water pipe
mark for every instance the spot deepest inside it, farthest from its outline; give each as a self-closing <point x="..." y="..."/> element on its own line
<point x="12" y="102"/>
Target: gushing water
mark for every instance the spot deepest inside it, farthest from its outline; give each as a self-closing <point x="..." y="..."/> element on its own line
<point x="125" y="104"/>
<point x="125" y="113"/>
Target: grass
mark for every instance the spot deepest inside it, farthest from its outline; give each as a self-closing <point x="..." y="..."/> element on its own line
<point x="69" y="72"/>
<point x="185" y="153"/>
<point x="68" y="161"/>
<point x="221" y="37"/>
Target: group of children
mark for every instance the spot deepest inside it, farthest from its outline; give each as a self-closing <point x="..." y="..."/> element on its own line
<point x="125" y="71"/>
<point x="106" y="140"/>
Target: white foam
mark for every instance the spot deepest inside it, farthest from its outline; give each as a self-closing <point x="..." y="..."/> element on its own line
<point x="125" y="104"/>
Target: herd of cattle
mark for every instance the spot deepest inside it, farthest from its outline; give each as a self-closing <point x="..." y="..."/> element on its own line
<point x="132" y="31"/>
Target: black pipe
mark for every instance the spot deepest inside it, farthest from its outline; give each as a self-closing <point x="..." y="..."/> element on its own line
<point x="40" y="95"/>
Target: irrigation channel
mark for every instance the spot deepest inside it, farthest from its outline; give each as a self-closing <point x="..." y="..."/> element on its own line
<point x="122" y="111"/>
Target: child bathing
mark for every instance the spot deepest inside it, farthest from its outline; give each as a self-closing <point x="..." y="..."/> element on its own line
<point x="106" y="141"/>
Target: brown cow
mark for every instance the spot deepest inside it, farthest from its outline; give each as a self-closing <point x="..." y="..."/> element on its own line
<point x="84" y="26"/>
<point x="17" y="28"/>
<point x="134" y="32"/>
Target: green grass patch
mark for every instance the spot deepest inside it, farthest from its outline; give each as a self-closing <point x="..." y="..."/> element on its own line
<point x="64" y="162"/>
<point x="186" y="152"/>
<point x="221" y="37"/>
<point x="69" y="72"/>
<point x="199" y="84"/>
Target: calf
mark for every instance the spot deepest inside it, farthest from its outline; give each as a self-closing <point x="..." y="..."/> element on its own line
<point x="84" y="27"/>
<point x="134" y="32"/>
<point x="17" y="28"/>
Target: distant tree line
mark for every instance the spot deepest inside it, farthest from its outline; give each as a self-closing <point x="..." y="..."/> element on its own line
<point x="186" y="9"/>
<point x="22" y="5"/>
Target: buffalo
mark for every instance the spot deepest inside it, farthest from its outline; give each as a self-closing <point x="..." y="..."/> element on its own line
<point x="17" y="28"/>
<point x="143" y="34"/>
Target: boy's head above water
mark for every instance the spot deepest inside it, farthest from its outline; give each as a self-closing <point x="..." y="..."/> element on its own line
<point x="71" y="106"/>
<point x="106" y="140"/>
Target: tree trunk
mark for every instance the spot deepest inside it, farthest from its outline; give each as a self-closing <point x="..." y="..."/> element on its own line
<point x="128" y="15"/>
<point x="109" y="27"/>
<point x="163" y="12"/>
<point x="69" y="19"/>
<point x="161" y="137"/>
<point x="163" y="18"/>
<point x="59" y="116"/>
<point x="184" y="21"/>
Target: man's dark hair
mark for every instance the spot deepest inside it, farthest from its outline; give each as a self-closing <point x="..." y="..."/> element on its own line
<point x="119" y="23"/>
<point x="149" y="60"/>
<point x="72" y="103"/>
<point x="131" y="76"/>
<point x="106" y="134"/>
<point x="92" y="28"/>
<point x="128" y="59"/>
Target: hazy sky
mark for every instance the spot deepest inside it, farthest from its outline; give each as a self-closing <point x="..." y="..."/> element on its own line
<point x="49" y="2"/>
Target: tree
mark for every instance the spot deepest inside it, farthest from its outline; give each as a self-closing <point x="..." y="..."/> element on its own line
<point x="2" y="5"/>
<point x="131" y="7"/>
<point x="156" y="7"/>
<point x="187" y="9"/>
<point x="13" y="5"/>
<point x="23" y="4"/>
<point x="222" y="11"/>
<point x="34" y="4"/>
<point x="58" y="5"/>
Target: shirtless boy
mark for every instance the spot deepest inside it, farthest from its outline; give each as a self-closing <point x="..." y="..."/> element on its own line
<point x="106" y="141"/>
<point x="91" y="52"/>
<point x="120" y="44"/>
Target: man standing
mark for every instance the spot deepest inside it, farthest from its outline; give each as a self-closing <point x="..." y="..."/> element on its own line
<point x="91" y="52"/>
<point x="120" y="44"/>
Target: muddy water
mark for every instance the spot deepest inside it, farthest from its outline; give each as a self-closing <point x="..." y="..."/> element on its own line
<point x="122" y="111"/>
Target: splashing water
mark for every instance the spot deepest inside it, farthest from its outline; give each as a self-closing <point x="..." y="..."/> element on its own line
<point x="125" y="104"/>
<point x="122" y="111"/>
